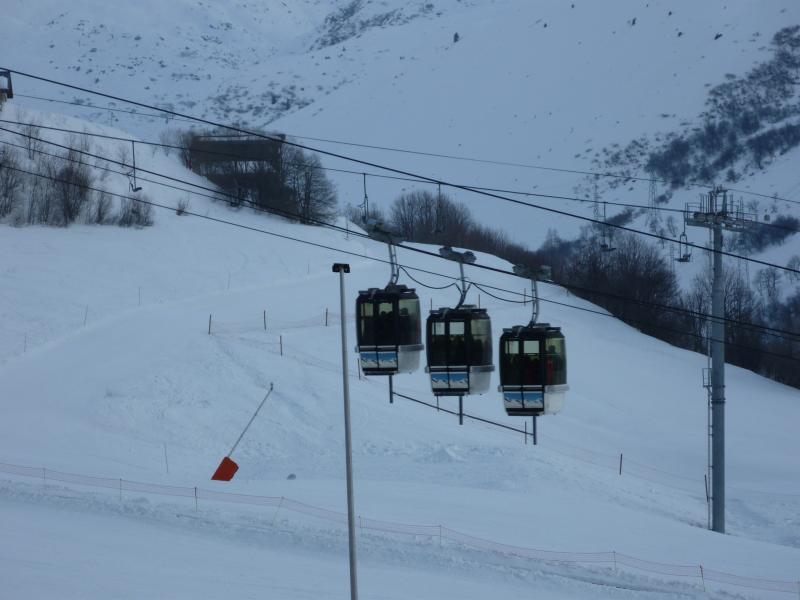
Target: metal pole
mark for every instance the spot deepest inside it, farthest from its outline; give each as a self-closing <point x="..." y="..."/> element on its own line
<point x="461" y="410"/>
<point x="391" y="389"/>
<point x="535" y="432"/>
<point x="351" y="531"/>
<point x="718" y="387"/>
<point x="250" y="422"/>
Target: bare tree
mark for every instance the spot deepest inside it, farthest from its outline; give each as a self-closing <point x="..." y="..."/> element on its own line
<point x="32" y="138"/>
<point x="10" y="180"/>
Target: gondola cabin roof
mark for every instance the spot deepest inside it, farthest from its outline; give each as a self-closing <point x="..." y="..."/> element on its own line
<point x="536" y="330"/>
<point x="397" y="290"/>
<point x="465" y="310"/>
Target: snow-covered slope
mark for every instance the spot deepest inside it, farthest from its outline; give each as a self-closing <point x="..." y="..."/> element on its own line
<point x="548" y="83"/>
<point x="108" y="366"/>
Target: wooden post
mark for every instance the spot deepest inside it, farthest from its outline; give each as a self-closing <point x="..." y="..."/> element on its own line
<point x="280" y="341"/>
<point x="85" y="315"/>
<point x="702" y="578"/>
<point x="326" y="317"/>
<point x="140" y="295"/>
<point x="195" y="499"/>
<point x="209" y="324"/>
<point x="275" y="516"/>
<point x="620" y="463"/>
<point x="120" y="490"/>
<point x="265" y="320"/>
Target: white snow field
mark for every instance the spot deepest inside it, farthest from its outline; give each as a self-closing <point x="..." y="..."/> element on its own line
<point x="108" y="370"/>
<point x="547" y="83"/>
<point x="116" y="404"/>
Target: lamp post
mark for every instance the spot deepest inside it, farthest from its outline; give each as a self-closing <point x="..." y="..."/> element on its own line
<point x="343" y="268"/>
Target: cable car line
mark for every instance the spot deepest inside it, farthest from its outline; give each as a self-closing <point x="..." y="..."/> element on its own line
<point x="372" y="258"/>
<point x="430" y="287"/>
<point x="216" y="195"/>
<point x="289" y="214"/>
<point x="382" y="176"/>
<point x="391" y="169"/>
<point x="429" y="154"/>
<point x="488" y="293"/>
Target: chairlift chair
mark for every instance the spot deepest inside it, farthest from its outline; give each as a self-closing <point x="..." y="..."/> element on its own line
<point x="533" y="369"/>
<point x="533" y="361"/>
<point x="459" y="342"/>
<point x="684" y="250"/>
<point x="388" y="322"/>
<point x="388" y="328"/>
<point x="6" y="87"/>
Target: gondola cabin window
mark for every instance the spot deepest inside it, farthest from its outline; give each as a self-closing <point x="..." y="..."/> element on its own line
<point x="556" y="366"/>
<point x="409" y="321"/>
<point x="481" y="342"/>
<point x="367" y="325"/>
<point x="437" y="346"/>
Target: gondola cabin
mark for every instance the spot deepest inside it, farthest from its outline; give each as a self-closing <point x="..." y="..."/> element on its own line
<point x="388" y="326"/>
<point x="459" y="346"/>
<point x="533" y="370"/>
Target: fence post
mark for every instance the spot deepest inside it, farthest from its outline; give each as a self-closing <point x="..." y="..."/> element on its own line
<point x="120" y="489"/>
<point x="326" y="317"/>
<point x="44" y="474"/>
<point x="620" y="463"/>
<point x="614" y="554"/>
<point x="209" y="323"/>
<point x="85" y="315"/>
<point x="280" y="341"/>
<point x="275" y="516"/>
<point x="140" y="295"/>
<point x="440" y="536"/>
<point x="702" y="578"/>
<point x="265" y="320"/>
<point x="25" y="344"/>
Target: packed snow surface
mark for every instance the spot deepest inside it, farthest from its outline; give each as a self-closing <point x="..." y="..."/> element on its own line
<point x="108" y="369"/>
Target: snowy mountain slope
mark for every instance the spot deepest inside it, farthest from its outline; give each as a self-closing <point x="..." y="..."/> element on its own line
<point x="106" y="397"/>
<point x="547" y="83"/>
